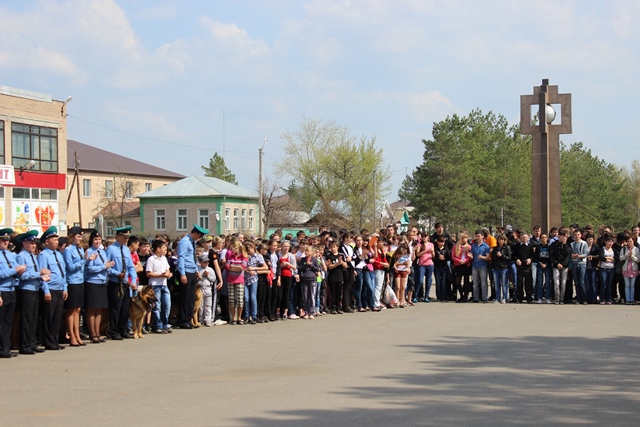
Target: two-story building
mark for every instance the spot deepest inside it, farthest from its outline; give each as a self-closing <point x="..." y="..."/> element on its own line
<point x="33" y="140"/>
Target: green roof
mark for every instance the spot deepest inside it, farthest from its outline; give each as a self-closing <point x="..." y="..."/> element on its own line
<point x="200" y="186"/>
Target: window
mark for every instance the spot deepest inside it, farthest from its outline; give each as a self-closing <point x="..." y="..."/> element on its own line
<point x="128" y="190"/>
<point x="1" y="192"/>
<point x="244" y="219"/>
<point x="48" y="194"/>
<point x="147" y="186"/>
<point x="227" y="221"/>
<point x="108" y="189"/>
<point x="250" y="219"/>
<point x="86" y="188"/>
<point x="203" y="218"/>
<point x="21" y="193"/>
<point x="181" y="220"/>
<point x="235" y="219"/>
<point x="1" y="142"/>
<point x="34" y="143"/>
<point x="76" y="224"/>
<point x="160" y="219"/>
<point x="109" y="228"/>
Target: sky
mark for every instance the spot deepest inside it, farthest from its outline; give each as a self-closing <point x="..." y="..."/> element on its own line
<point x="170" y="82"/>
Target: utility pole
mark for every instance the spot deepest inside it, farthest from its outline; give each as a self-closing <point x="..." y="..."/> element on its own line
<point x="79" y="199"/>
<point x="260" y="188"/>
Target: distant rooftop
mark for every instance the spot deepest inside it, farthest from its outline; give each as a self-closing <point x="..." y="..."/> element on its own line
<point x="200" y="186"/>
<point x="97" y="160"/>
<point x="23" y="93"/>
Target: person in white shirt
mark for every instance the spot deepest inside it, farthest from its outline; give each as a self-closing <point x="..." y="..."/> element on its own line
<point x="158" y="271"/>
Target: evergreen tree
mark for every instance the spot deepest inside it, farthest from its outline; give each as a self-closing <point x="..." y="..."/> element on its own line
<point x="218" y="169"/>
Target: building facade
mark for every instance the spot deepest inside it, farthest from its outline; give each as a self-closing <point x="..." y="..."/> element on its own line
<point x="107" y="186"/>
<point x="216" y="205"/>
<point x="33" y="140"/>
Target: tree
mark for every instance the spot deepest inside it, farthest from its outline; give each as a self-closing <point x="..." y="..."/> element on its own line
<point x="474" y="169"/>
<point x="333" y="166"/>
<point x="277" y="206"/>
<point x="116" y="199"/>
<point x="592" y="189"/>
<point x="632" y="188"/>
<point x="218" y="169"/>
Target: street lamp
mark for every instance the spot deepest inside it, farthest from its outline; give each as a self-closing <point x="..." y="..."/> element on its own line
<point x="260" y="185"/>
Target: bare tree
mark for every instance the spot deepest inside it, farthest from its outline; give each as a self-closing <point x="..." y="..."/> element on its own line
<point x="117" y="198"/>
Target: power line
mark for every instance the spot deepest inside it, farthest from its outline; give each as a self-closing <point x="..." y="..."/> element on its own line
<point x="148" y="137"/>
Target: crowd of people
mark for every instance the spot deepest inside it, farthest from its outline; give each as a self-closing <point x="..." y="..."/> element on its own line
<point x="56" y="291"/>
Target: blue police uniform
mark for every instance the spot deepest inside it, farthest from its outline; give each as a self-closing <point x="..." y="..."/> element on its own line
<point x="8" y="283"/>
<point x="119" y="292"/>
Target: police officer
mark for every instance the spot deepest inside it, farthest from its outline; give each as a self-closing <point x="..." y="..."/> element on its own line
<point x="188" y="279"/>
<point x="10" y="270"/>
<point x="55" y="290"/>
<point x="122" y="281"/>
<point x="29" y="292"/>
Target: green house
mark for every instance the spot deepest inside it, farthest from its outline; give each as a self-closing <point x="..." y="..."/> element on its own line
<point x="219" y="206"/>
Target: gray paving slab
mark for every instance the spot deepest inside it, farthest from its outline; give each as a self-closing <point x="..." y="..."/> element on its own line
<point x="433" y="364"/>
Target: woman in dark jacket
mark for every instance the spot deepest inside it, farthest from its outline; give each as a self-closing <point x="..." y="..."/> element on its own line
<point x="500" y="261"/>
<point x="442" y="255"/>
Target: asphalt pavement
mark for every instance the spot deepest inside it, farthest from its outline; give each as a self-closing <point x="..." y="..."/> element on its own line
<point x="433" y="364"/>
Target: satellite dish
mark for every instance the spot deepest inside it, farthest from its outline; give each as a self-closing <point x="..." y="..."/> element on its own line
<point x="217" y="216"/>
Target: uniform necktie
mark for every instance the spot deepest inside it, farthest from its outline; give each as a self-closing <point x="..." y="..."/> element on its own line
<point x="195" y="259"/>
<point x="4" y="253"/>
<point x="33" y="260"/>
<point x="79" y="251"/>
<point x="58" y="262"/>
<point x="100" y="255"/>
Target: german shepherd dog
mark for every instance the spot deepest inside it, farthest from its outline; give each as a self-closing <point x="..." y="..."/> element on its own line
<point x="141" y="304"/>
<point x="196" y="307"/>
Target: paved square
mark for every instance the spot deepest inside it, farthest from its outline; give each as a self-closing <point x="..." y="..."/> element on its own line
<point x="433" y="364"/>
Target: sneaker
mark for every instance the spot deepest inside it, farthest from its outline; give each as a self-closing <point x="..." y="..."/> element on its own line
<point x="340" y="311"/>
<point x="306" y="316"/>
<point x="160" y="331"/>
<point x="504" y="301"/>
<point x="293" y="316"/>
<point x="219" y="322"/>
<point x="549" y="301"/>
<point x="252" y="321"/>
<point x="311" y="316"/>
<point x="539" y="301"/>
<point x="334" y="311"/>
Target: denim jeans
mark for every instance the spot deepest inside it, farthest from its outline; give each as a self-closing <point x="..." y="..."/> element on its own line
<point x="442" y="281"/>
<point x="501" y="280"/>
<point x="591" y="283"/>
<point x="369" y="288"/>
<point x="629" y="289"/>
<point x="479" y="283"/>
<point x="162" y="309"/>
<point x="513" y="275"/>
<point x="560" y="283"/>
<point x="606" y="279"/>
<point x="579" y="270"/>
<point x="379" y="281"/>
<point x="544" y="282"/>
<point x="423" y="271"/>
<point x="357" y="287"/>
<point x="251" y="300"/>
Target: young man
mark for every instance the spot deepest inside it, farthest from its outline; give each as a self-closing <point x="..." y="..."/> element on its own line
<point x="480" y="253"/>
<point x="55" y="290"/>
<point x="187" y="268"/>
<point x="560" y="252"/>
<point x="10" y="270"/>
<point x="122" y="280"/>
<point x="579" y="253"/>
<point x="523" y="253"/>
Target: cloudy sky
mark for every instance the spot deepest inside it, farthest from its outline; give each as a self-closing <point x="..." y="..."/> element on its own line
<point x="152" y="79"/>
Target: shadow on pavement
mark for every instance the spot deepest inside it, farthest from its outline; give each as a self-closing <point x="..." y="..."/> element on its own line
<point x="471" y="381"/>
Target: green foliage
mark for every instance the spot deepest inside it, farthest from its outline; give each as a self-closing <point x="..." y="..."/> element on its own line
<point x="331" y="165"/>
<point x="473" y="168"/>
<point x="592" y="189"/>
<point x="476" y="166"/>
<point x="218" y="169"/>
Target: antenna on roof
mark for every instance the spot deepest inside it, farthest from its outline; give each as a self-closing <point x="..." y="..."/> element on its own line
<point x="223" y="138"/>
